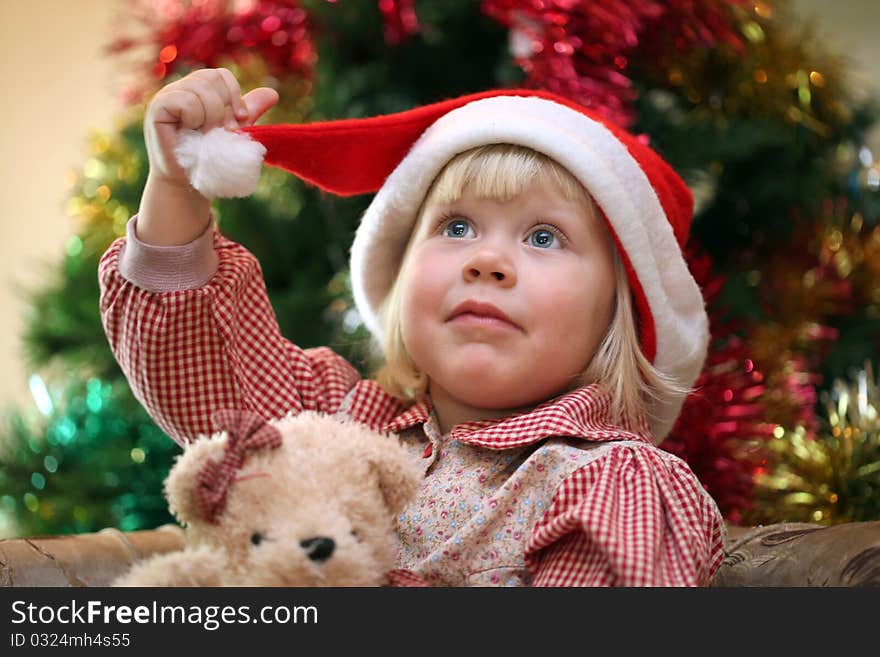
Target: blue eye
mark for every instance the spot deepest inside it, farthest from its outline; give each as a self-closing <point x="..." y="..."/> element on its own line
<point x="542" y="238"/>
<point x="457" y="228"/>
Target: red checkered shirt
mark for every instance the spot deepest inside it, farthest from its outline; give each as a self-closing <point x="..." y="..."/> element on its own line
<point x="193" y="330"/>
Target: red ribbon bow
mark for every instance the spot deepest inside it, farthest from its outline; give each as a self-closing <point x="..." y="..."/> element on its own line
<point x="247" y="432"/>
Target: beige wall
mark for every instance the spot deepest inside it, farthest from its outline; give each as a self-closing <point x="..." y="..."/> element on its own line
<point x="58" y="86"/>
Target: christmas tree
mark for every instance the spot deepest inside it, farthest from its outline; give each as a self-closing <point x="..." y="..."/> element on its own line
<point x="740" y="97"/>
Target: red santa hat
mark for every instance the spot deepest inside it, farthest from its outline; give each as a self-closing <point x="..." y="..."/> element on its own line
<point x="646" y="205"/>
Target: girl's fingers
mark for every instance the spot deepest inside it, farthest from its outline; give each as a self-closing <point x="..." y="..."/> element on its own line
<point x="238" y="105"/>
<point x="213" y="103"/>
<point x="229" y="119"/>
<point x="258" y="102"/>
<point x="229" y="94"/>
<point x="211" y="98"/>
<point x="202" y="100"/>
<point x="181" y="106"/>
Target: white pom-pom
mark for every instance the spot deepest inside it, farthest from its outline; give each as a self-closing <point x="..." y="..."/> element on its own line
<point x="220" y="163"/>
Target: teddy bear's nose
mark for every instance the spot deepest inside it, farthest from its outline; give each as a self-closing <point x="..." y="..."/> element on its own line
<point x="318" y="548"/>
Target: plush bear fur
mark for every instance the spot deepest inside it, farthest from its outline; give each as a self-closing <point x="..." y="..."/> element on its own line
<point x="329" y="481"/>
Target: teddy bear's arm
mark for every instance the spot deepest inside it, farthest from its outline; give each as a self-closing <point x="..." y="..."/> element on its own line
<point x="188" y="567"/>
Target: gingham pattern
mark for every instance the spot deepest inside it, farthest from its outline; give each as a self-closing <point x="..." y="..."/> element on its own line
<point x="187" y="353"/>
<point x="245" y="432"/>
<point x="402" y="578"/>
<point x="616" y="523"/>
<point x="582" y="413"/>
<point x="619" y="520"/>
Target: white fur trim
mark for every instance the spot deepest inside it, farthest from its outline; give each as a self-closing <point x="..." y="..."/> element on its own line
<point x="220" y="163"/>
<point x="605" y="167"/>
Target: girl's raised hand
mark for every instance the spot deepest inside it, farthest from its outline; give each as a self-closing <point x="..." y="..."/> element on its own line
<point x="204" y="99"/>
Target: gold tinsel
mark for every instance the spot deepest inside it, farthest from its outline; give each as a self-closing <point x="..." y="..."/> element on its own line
<point x="295" y="101"/>
<point x="785" y="72"/>
<point x="832" y="478"/>
<point x="829" y="470"/>
<point x="788" y="356"/>
<point x="852" y="248"/>
<point x="104" y="191"/>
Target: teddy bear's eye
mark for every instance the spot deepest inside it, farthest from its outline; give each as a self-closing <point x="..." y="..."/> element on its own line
<point x="256" y="538"/>
<point x="355" y="534"/>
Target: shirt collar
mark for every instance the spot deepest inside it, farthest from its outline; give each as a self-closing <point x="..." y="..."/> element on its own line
<point x="582" y="413"/>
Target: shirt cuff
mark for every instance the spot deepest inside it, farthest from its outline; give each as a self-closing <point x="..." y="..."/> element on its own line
<point x="168" y="268"/>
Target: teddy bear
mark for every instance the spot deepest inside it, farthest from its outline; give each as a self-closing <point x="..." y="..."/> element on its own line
<point x="306" y="500"/>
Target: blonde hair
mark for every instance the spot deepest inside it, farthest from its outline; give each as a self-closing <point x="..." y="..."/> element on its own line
<point x="502" y="171"/>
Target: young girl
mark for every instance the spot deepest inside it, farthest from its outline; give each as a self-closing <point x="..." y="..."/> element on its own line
<point x="520" y="267"/>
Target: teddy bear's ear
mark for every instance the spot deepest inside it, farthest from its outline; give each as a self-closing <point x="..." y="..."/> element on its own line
<point x="399" y="475"/>
<point x="183" y="477"/>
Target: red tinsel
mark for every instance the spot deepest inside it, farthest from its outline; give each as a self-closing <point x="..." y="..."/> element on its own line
<point x="722" y="423"/>
<point x="399" y="20"/>
<point x="748" y="387"/>
<point x="181" y="35"/>
<point x="584" y="50"/>
<point x="801" y="291"/>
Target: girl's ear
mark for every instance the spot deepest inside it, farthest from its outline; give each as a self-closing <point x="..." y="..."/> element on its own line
<point x="180" y="485"/>
<point x="399" y="475"/>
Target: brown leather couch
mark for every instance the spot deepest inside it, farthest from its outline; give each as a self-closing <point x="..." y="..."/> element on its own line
<point x="789" y="554"/>
<point x="800" y="554"/>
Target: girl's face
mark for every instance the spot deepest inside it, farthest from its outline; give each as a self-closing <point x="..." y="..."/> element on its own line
<point x="505" y="302"/>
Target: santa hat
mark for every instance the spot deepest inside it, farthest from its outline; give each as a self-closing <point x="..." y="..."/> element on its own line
<point x="646" y="205"/>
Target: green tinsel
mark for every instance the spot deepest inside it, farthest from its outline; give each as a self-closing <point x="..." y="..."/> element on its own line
<point x="90" y="458"/>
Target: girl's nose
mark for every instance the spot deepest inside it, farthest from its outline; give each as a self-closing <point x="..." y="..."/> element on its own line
<point x="490" y="265"/>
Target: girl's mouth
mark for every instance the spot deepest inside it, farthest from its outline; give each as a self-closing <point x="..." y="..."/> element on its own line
<point x="482" y="314"/>
<point x="483" y="321"/>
